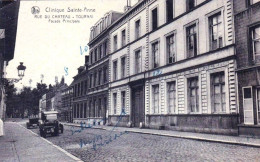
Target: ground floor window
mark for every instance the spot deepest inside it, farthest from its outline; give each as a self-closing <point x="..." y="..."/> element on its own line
<point x="155" y="98"/>
<point x="114" y="102"/>
<point x="123" y="100"/>
<point x="85" y="110"/>
<point x="193" y="95"/>
<point x="218" y="92"/>
<point x="78" y="112"/>
<point x="99" y="107"/>
<point x="171" y="97"/>
<point x="258" y="103"/>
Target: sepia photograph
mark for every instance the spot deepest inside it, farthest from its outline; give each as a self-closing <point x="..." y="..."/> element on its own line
<point x="129" y="80"/>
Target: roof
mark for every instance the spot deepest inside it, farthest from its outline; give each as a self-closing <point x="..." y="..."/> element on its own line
<point x="50" y="112"/>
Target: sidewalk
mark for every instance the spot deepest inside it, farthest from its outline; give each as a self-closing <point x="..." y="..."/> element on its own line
<point x="235" y="140"/>
<point x="21" y="145"/>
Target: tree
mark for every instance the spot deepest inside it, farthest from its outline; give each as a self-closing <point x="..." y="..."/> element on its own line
<point x="26" y="101"/>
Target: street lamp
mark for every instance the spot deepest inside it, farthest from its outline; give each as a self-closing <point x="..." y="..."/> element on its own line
<point x="21" y="69"/>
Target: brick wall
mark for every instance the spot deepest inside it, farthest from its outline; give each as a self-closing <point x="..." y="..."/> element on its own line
<point x="247" y="17"/>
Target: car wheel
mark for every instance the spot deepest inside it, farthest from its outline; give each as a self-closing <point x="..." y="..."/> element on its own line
<point x="44" y="134"/>
<point x="61" y="128"/>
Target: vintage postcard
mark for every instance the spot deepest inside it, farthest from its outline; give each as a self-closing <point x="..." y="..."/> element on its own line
<point x="129" y="80"/>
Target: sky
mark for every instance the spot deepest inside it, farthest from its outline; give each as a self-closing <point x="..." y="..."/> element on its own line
<point x="49" y="48"/>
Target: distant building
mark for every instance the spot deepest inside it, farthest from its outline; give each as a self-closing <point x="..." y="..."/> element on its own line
<point x="52" y="99"/>
<point x="99" y="68"/>
<point x="247" y="24"/>
<point x="66" y="107"/>
<point x="79" y="97"/>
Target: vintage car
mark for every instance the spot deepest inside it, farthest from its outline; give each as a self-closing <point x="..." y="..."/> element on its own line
<point x="49" y="124"/>
<point x="33" y="122"/>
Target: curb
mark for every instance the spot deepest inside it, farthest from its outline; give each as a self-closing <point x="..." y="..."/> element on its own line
<point x="183" y="137"/>
<point x="59" y="148"/>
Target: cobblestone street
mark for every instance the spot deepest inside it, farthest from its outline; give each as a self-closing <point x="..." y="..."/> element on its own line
<point x="143" y="147"/>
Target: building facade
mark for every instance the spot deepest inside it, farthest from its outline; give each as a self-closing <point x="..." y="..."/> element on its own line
<point x="247" y="23"/>
<point x="99" y="69"/>
<point x="80" y="90"/>
<point x="172" y="66"/>
<point x="66" y="101"/>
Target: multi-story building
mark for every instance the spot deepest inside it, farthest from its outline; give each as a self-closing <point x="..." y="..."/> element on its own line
<point x="66" y="101"/>
<point x="53" y="97"/>
<point x="173" y="66"/>
<point x="99" y="68"/>
<point x="8" y="27"/>
<point x="247" y="24"/>
<point x="80" y="90"/>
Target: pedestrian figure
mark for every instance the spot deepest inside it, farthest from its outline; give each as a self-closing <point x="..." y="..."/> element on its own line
<point x="1" y="128"/>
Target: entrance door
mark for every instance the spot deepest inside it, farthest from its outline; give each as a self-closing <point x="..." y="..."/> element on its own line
<point x="248" y="105"/>
<point x="137" y="106"/>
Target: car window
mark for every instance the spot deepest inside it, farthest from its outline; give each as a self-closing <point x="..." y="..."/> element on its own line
<point x="52" y="117"/>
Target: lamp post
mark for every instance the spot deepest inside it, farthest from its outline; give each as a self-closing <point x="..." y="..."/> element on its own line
<point x="21" y="69"/>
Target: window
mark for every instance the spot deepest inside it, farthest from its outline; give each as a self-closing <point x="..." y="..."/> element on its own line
<point x="218" y="93"/>
<point x="171" y="96"/>
<point x="105" y="48"/>
<point x="137" y="29"/>
<point x="170" y="47"/>
<point x="99" y="107"/>
<point x="123" y="67"/>
<point x="105" y="74"/>
<point x="89" y="108"/>
<point x="90" y="81"/>
<point x="81" y="110"/>
<point x="86" y="87"/>
<point x="100" y="51"/>
<point x="137" y="61"/>
<point x="76" y="89"/>
<point x="115" y="70"/>
<point x="255" y="34"/>
<point x="96" y="54"/>
<point x="91" y="56"/>
<point x="95" y="79"/>
<point x="154" y="19"/>
<point x="123" y="101"/>
<point x="85" y="110"/>
<point x="155" y="54"/>
<point x="115" y="101"/>
<point x="253" y="1"/>
<point x="96" y="108"/>
<point x="169" y="10"/>
<point x="115" y="42"/>
<point x="215" y="31"/>
<point x="99" y="76"/>
<point x="190" y="4"/>
<point x="123" y="38"/>
<point x="191" y="41"/>
<point x="81" y="88"/>
<point x="193" y="95"/>
<point x="258" y="103"/>
<point x="155" y="98"/>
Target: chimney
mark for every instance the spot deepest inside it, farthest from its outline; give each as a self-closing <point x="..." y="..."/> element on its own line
<point x="128" y="5"/>
<point x="80" y="69"/>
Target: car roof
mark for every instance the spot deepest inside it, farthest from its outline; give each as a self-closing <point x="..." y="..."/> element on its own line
<point x="50" y="112"/>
